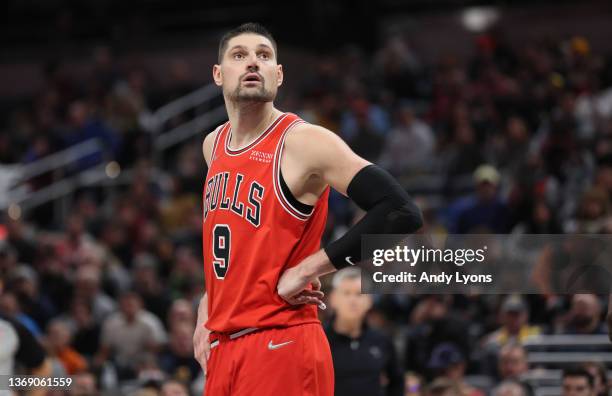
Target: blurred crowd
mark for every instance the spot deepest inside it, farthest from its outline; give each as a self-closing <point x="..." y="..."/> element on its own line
<point x="517" y="139"/>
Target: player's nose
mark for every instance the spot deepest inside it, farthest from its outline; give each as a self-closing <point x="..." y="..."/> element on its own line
<point x="253" y="63"/>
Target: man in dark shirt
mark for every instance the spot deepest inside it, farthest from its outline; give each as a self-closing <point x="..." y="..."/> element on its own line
<point x="365" y="361"/>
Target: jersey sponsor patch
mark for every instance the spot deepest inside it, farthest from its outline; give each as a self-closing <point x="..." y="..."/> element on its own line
<point x="261" y="156"/>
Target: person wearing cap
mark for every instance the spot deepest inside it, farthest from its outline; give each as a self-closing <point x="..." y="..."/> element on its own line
<point x="362" y="356"/>
<point x="514" y="329"/>
<point x="514" y="317"/>
<point x="484" y="211"/>
<point x="447" y="361"/>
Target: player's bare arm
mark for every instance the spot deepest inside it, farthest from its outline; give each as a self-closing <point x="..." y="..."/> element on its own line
<point x="314" y="158"/>
<point x="201" y="345"/>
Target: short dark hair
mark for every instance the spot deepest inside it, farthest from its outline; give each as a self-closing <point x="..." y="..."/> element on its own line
<point x="579" y="372"/>
<point x="245" y="28"/>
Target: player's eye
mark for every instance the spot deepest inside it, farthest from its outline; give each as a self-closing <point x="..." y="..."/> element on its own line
<point x="264" y="55"/>
<point x="238" y="55"/>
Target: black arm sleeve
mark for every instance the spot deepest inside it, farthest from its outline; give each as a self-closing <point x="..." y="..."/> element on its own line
<point x="389" y="210"/>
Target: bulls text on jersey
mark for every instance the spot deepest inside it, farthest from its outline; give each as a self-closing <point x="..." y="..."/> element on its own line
<point x="223" y="193"/>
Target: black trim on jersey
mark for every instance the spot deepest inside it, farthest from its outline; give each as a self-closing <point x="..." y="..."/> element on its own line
<point x="256" y="193"/>
<point x="302" y="207"/>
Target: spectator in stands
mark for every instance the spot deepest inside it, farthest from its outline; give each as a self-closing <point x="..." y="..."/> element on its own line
<point x="148" y="372"/>
<point x="508" y="152"/>
<point x="463" y="155"/>
<point x="85" y="329"/>
<point x="584" y="316"/>
<point x="146" y="283"/>
<point x="177" y="359"/>
<point x="85" y="126"/>
<point x="484" y="212"/>
<point x="409" y="148"/>
<point x="443" y="387"/>
<point x="362" y="356"/>
<point x="541" y="220"/>
<point x="77" y="243"/>
<point x="593" y="212"/>
<point x="21" y="238"/>
<point x="433" y="322"/>
<point x="140" y="332"/>
<point x="9" y="306"/>
<point x="512" y="365"/>
<point x="87" y="290"/>
<point x="515" y="327"/>
<point x="83" y="384"/>
<point x="599" y="371"/>
<point x="512" y="362"/>
<point x="173" y="388"/>
<point x="181" y="312"/>
<point x="8" y="256"/>
<point x="447" y="361"/>
<point x="509" y="388"/>
<point x="364" y="127"/>
<point x="577" y="382"/>
<point x="59" y="349"/>
<point x="24" y="284"/>
<point x="513" y="316"/>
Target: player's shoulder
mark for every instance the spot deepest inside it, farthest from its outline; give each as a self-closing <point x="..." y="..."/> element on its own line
<point x="212" y="135"/>
<point x="209" y="141"/>
<point x="305" y="135"/>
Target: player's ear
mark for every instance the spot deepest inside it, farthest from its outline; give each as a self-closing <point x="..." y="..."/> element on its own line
<point x="216" y="72"/>
<point x="279" y="75"/>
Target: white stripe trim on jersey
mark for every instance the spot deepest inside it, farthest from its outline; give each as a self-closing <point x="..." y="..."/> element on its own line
<point x="278" y="191"/>
<point x="254" y="142"/>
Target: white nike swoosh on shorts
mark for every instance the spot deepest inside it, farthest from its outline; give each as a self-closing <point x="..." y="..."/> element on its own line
<point x="272" y="347"/>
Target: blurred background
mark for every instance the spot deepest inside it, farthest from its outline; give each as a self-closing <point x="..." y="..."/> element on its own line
<point x="496" y="117"/>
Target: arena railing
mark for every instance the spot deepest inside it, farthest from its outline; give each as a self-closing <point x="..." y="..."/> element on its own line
<point x="17" y="191"/>
<point x="18" y="195"/>
<point x="560" y="350"/>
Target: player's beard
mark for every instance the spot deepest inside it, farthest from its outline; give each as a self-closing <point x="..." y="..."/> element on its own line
<point x="259" y="95"/>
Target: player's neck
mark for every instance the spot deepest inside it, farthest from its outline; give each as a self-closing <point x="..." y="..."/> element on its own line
<point x="349" y="328"/>
<point x="249" y="120"/>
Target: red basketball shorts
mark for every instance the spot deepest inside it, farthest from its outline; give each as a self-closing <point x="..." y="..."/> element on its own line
<point x="290" y="361"/>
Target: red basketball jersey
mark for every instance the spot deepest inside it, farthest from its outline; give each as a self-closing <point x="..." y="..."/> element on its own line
<point x="253" y="231"/>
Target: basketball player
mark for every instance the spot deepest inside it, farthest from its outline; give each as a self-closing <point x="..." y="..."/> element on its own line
<point x="265" y="208"/>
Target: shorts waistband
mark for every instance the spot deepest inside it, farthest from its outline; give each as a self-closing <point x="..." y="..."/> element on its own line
<point x="217" y="337"/>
